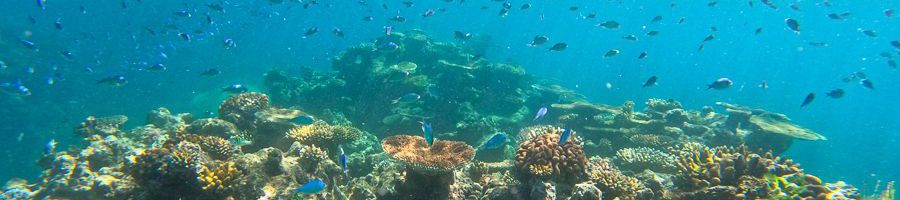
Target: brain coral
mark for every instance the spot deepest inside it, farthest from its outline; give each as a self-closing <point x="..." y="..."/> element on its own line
<point x="639" y="159"/>
<point x="439" y="158"/>
<point x="541" y="156"/>
<point x="241" y="109"/>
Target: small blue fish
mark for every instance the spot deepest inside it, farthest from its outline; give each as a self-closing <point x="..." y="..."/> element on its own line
<point x="235" y="89"/>
<point x="427" y="131"/>
<point x="343" y="161"/>
<point x="409" y="97"/>
<point x="541" y="112"/>
<point x="158" y="67"/>
<point x="116" y="80"/>
<point x="312" y="187"/>
<point x="389" y="47"/>
<point x="42" y="4"/>
<point x="495" y="142"/>
<point x="304" y="120"/>
<point x="565" y="136"/>
<point x="28" y="44"/>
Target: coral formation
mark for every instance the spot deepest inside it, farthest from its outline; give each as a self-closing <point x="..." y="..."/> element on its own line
<point x="441" y="157"/>
<point x="541" y="156"/>
<point x="613" y="183"/>
<point x="324" y="135"/>
<point x="241" y="109"/>
<point x="643" y="158"/>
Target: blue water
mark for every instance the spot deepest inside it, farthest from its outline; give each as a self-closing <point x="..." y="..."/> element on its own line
<point x="861" y="127"/>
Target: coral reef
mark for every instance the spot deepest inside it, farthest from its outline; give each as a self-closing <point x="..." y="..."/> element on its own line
<point x="439" y="158"/>
<point x="643" y="158"/>
<point x="541" y="156"/>
<point x="324" y="135"/>
<point x="613" y="183"/>
<point x="241" y="109"/>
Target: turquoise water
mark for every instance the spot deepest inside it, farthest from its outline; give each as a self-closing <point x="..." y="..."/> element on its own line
<point x="112" y="39"/>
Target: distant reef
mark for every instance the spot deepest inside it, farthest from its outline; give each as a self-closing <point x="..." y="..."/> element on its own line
<point x="368" y="114"/>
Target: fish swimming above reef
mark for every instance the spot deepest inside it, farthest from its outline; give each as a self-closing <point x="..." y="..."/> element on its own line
<point x="809" y="99"/>
<point x="609" y="25"/>
<point x="310" y="32"/>
<point x="459" y="35"/>
<point x="239" y="140"/>
<point x="565" y="136"/>
<point x="495" y="142"/>
<point x="303" y="120"/>
<point x="866" y="83"/>
<point x="793" y="24"/>
<point x="538" y="40"/>
<point x="407" y="98"/>
<point x="343" y="161"/>
<point x="558" y="47"/>
<point x="721" y="84"/>
<point x="835" y="93"/>
<point x="235" y="89"/>
<point x="540" y="113"/>
<point x="650" y="82"/>
<point x="313" y="187"/>
<point x="611" y="53"/>
<point x="115" y="80"/>
<point x="642" y="55"/>
<point x="427" y="132"/>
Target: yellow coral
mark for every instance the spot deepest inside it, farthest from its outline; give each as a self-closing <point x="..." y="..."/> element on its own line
<point x="323" y="134"/>
<point x="219" y="179"/>
<point x="540" y="169"/>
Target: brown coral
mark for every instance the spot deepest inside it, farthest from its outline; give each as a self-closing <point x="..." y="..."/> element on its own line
<point x="439" y="158"/>
<point x="216" y="147"/>
<point x="324" y="135"/>
<point x="241" y="109"/>
<point x="541" y="156"/>
<point x="612" y="182"/>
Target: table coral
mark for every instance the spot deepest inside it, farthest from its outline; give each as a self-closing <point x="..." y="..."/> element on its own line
<point x="441" y="157"/>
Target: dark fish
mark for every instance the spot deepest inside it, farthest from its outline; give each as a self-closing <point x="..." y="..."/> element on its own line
<point x="83" y="11"/>
<point x="792" y="24"/>
<point x="573" y="8"/>
<point x="559" y="46"/>
<point x="503" y="12"/>
<point x="123" y="5"/>
<point x="337" y="32"/>
<point x="795" y="6"/>
<point x="681" y="20"/>
<point x="310" y="32"/>
<point x="712" y="3"/>
<point x="886" y="54"/>
<point x="652" y="33"/>
<point x="525" y="6"/>
<point x="408" y="4"/>
<point x="609" y="25"/>
<point x="210" y="72"/>
<point x="630" y="37"/>
<point x="891" y="63"/>
<point x="427" y="132"/>
<point x="182" y="13"/>
<point x="896" y="44"/>
<point x="303" y="120"/>
<point x="721" y="84"/>
<point x="809" y="99"/>
<point x="866" y="83"/>
<point x="835" y="16"/>
<point x="216" y="7"/>
<point x="235" y="89"/>
<point x="540" y="113"/>
<point x="428" y="13"/>
<point x="758" y="31"/>
<point x="209" y="20"/>
<point x="407" y="98"/>
<point x="28" y="44"/>
<point x="770" y="4"/>
<point x="57" y="24"/>
<point x="656" y="19"/>
<point x="818" y="44"/>
<point x="459" y="35"/>
<point x="611" y="53"/>
<point x="158" y="67"/>
<point x="642" y="55"/>
<point x="484" y="7"/>
<point x="538" y="40"/>
<point x="888" y="12"/>
<point x="389" y="47"/>
<point x="368" y="18"/>
<point x="565" y="136"/>
<point x="591" y="16"/>
<point x="650" y="82"/>
<point x="835" y="93"/>
<point x="700" y="48"/>
<point x="398" y="18"/>
<point x="115" y="80"/>
<point x="713" y="28"/>
<point x="229" y="43"/>
<point x="709" y="38"/>
<point x="185" y="36"/>
<point x="68" y="54"/>
<point x="507" y="5"/>
<point x="870" y="33"/>
<point x="32" y="19"/>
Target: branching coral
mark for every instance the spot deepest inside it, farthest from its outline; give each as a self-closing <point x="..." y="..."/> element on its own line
<point x="612" y="182"/>
<point x="439" y="158"/>
<point x="218" y="180"/>
<point x="639" y="159"/>
<point x="324" y="135"/>
<point x="241" y="109"/>
<point x="541" y="156"/>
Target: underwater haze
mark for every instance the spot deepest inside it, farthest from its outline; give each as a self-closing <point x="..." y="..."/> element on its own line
<point x="449" y="99"/>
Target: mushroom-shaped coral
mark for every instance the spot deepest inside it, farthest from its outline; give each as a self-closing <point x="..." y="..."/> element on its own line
<point x="541" y="156"/>
<point x="241" y="109"/>
<point x="439" y="158"/>
<point x="324" y="135"/>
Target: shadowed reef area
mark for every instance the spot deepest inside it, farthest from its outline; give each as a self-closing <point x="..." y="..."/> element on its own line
<point x="256" y="148"/>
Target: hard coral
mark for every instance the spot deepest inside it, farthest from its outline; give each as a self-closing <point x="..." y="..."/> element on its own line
<point x="702" y="169"/>
<point x="241" y="109"/>
<point x="439" y="158"/>
<point x="101" y="126"/>
<point x="324" y="135"/>
<point x="642" y="158"/>
<point x="218" y="180"/>
<point x="541" y="156"/>
<point x="612" y="182"/>
<point x="216" y="147"/>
